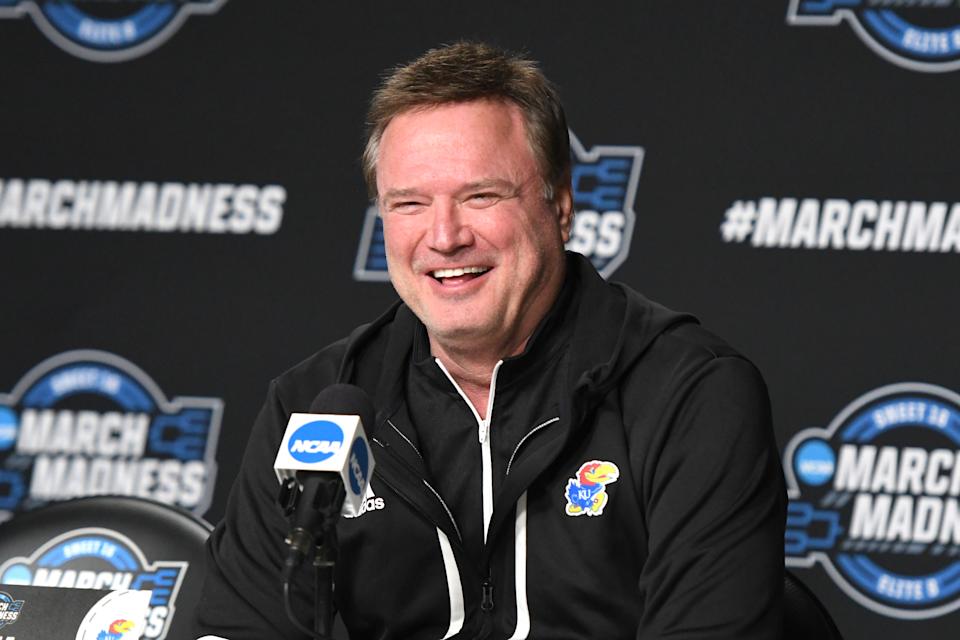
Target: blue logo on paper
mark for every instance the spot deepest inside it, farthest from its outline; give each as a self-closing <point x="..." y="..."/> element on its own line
<point x="931" y="44"/>
<point x="874" y="499"/>
<point x="9" y="609"/>
<point x="359" y="466"/>
<point x="99" y="558"/>
<point x="91" y="423"/>
<point x="604" y="190"/>
<point x="122" y="31"/>
<point x="315" y="441"/>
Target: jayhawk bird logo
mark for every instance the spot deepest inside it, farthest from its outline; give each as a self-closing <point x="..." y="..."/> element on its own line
<point x="116" y="630"/>
<point x="586" y="494"/>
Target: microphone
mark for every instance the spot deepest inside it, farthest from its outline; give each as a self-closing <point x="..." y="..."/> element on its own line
<point x="324" y="464"/>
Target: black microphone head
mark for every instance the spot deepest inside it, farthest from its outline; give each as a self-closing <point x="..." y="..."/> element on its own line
<point x="345" y="400"/>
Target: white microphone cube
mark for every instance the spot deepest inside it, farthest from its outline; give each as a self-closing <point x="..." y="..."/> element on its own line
<point x="319" y="442"/>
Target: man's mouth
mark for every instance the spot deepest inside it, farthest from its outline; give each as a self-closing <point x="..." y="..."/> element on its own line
<point x="458" y="274"/>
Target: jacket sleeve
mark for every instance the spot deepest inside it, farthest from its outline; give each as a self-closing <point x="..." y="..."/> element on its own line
<point x="715" y="508"/>
<point x="242" y="596"/>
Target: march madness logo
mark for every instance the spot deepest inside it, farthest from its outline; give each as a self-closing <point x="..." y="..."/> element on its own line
<point x="99" y="558"/>
<point x="106" y="30"/>
<point x="873" y="499"/>
<point x="920" y="35"/>
<point x="604" y="189"/>
<point x="87" y="423"/>
<point x="10" y="609"/>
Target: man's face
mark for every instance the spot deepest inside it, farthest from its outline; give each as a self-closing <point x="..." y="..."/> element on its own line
<point x="472" y="245"/>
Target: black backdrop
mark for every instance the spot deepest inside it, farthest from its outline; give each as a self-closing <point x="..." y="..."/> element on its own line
<point x="731" y="102"/>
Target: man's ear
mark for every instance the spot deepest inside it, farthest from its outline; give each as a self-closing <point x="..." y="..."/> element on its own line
<point x="563" y="202"/>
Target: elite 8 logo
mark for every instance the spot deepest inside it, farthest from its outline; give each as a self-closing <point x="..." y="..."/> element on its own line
<point x="107" y="31"/>
<point x="91" y="423"/>
<point x="874" y="500"/>
<point x="604" y="190"/>
<point x="922" y="35"/>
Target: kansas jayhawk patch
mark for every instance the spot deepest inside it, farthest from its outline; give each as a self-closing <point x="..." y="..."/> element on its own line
<point x="586" y="494"/>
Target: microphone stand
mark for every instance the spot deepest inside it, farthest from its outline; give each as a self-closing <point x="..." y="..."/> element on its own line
<point x="324" y="562"/>
<point x="316" y="509"/>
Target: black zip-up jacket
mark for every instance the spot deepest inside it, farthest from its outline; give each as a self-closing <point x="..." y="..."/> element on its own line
<point x="626" y="484"/>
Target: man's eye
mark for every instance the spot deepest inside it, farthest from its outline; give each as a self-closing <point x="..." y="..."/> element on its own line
<point x="404" y="206"/>
<point x="484" y="199"/>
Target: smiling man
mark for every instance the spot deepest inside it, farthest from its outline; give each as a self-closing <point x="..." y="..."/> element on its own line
<point x="473" y="246"/>
<point x="557" y="457"/>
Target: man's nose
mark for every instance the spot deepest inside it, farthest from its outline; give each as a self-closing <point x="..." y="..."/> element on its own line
<point x="450" y="230"/>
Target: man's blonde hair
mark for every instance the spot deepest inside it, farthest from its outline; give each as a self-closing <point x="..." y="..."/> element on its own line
<point x="466" y="71"/>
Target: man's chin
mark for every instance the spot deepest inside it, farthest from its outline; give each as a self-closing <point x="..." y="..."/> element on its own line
<point x="467" y="333"/>
<point x="464" y="331"/>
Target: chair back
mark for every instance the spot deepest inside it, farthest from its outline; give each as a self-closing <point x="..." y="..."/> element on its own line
<point x="804" y="616"/>
<point x="112" y="542"/>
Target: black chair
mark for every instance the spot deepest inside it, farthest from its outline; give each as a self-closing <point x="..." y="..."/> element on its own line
<point x="804" y="616"/>
<point x="108" y="532"/>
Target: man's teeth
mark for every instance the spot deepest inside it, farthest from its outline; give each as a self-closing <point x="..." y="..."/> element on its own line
<point x="453" y="273"/>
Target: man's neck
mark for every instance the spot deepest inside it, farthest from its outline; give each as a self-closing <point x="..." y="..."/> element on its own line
<point x="471" y="362"/>
<point x="473" y="369"/>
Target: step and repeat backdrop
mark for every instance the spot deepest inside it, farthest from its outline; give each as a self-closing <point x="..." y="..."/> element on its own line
<point x="182" y="217"/>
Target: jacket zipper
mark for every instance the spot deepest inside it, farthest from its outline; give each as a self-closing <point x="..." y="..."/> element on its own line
<point x="486" y="603"/>
<point x="487" y="479"/>
<point x="483" y="434"/>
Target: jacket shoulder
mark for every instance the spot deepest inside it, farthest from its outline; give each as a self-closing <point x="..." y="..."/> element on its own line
<point x="670" y="334"/>
<point x="697" y="341"/>
<point x="685" y="354"/>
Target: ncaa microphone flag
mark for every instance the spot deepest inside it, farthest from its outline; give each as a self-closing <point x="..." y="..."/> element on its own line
<point x="328" y="443"/>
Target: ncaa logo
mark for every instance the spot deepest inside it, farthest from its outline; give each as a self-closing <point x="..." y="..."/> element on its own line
<point x="107" y="31"/>
<point x="604" y="190"/>
<point x="930" y="44"/>
<point x="315" y="441"/>
<point x="359" y="466"/>
<point x="874" y="500"/>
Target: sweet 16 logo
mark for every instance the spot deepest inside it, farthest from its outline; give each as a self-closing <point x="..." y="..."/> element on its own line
<point x="107" y="31"/>
<point x="604" y="190"/>
<point x="921" y="35"/>
<point x="874" y="500"/>
<point x="89" y="423"/>
<point x="99" y="558"/>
